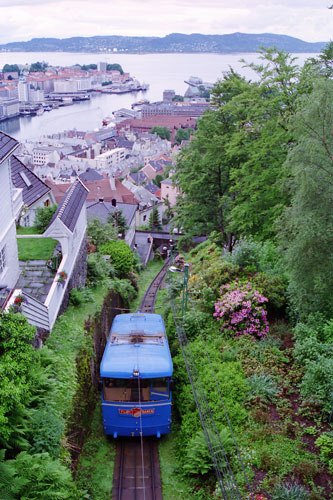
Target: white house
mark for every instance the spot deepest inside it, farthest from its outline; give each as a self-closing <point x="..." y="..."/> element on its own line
<point x="35" y="192"/>
<point x="11" y="204"/>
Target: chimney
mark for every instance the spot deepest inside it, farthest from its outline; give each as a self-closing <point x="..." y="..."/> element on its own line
<point x="112" y="182"/>
<point x="101" y="199"/>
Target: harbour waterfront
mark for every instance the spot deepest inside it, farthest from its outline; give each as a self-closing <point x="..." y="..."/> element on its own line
<point x="160" y="71"/>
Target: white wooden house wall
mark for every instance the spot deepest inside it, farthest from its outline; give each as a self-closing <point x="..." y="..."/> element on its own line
<point x="70" y="247"/>
<point x="8" y="244"/>
<point x="28" y="219"/>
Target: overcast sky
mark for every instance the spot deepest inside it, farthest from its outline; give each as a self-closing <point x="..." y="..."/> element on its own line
<point x="21" y="20"/>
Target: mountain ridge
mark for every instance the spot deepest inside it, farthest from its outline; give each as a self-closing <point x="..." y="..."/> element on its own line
<point x="171" y="43"/>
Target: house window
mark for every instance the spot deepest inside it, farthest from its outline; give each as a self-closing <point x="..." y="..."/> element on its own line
<point x="2" y="259"/>
<point x="144" y="218"/>
<point x="47" y="203"/>
<point x="26" y="221"/>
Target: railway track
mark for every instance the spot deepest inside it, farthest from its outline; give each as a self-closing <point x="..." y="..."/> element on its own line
<point x="137" y="471"/>
<point x="149" y="298"/>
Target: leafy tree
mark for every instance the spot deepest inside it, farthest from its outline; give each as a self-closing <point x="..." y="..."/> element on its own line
<point x="162" y="132"/>
<point x="307" y="225"/>
<point x="183" y="134"/>
<point x="118" y="220"/>
<point x="203" y="168"/>
<point x="100" y="233"/>
<point x="115" y="67"/>
<point x="87" y="67"/>
<point x="261" y="113"/>
<point x="43" y="217"/>
<point x="158" y="179"/>
<point x="155" y="221"/>
<point x="38" y="66"/>
<point x="11" y="68"/>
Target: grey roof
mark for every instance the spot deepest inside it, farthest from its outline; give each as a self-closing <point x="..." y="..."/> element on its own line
<point x="122" y="142"/>
<point x="70" y="207"/>
<point x="7" y="144"/>
<point x="159" y="164"/>
<point x="138" y="177"/>
<point x="151" y="187"/>
<point x="22" y="177"/>
<point x="101" y="210"/>
<point x="90" y="175"/>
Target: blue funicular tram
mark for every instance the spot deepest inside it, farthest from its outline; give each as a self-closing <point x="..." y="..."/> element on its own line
<point x="136" y="371"/>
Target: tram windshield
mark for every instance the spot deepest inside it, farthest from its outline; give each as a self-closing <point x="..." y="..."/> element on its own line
<point x="116" y="389"/>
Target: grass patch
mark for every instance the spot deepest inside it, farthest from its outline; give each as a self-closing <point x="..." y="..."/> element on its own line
<point x="26" y="230"/>
<point x="173" y="485"/>
<point x="95" y="468"/>
<point x="35" y="248"/>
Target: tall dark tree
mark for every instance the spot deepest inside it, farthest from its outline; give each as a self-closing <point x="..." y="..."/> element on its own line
<point x="307" y="225"/>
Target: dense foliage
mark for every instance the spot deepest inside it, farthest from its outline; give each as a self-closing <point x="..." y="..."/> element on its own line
<point x="121" y="256"/>
<point x="43" y="217"/>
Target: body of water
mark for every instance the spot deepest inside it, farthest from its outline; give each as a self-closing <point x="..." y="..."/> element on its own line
<point x="161" y="71"/>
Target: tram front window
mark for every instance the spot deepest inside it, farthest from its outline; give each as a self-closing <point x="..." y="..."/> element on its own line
<point x="135" y="390"/>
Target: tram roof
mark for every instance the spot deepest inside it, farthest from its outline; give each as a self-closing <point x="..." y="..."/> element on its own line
<point x="146" y="323"/>
<point x="137" y="342"/>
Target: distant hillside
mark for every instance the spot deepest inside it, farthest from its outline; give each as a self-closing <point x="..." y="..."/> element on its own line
<point x="175" y="42"/>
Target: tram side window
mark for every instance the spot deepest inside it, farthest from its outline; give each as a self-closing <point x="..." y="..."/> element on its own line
<point x="159" y="388"/>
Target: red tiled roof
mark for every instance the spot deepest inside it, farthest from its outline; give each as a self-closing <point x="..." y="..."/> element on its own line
<point x="97" y="189"/>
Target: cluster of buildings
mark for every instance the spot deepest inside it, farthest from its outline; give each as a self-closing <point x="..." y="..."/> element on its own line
<point x="117" y="170"/>
<point x="28" y="92"/>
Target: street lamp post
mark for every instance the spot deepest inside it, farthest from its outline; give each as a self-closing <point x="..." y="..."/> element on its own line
<point x="174" y="269"/>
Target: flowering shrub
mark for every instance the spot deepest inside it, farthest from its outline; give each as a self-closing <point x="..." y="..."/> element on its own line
<point x="256" y="497"/>
<point x="241" y="310"/>
<point x="18" y="300"/>
<point x="62" y="277"/>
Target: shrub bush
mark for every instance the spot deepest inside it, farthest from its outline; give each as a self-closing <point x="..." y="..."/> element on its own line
<point x="198" y="457"/>
<point x="45" y="432"/>
<point x="263" y="387"/>
<point x="121" y="256"/>
<point x="98" y="269"/>
<point x="317" y="382"/>
<point x="43" y="217"/>
<point x="38" y="477"/>
<point x="289" y="491"/>
<point x="80" y="296"/>
<point x="325" y="443"/>
<point x="241" y="310"/>
<point x="310" y="349"/>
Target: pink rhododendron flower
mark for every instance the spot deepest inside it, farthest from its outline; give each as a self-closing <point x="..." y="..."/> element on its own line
<point x="241" y="310"/>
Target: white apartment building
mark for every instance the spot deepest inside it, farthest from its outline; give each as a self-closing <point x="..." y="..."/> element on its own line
<point x="43" y="155"/>
<point x="23" y="91"/>
<point x="36" y="95"/>
<point x="109" y="160"/>
<point x="10" y="106"/>
<point x="65" y="86"/>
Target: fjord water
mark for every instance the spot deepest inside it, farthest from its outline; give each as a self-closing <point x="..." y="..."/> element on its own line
<point x="161" y="71"/>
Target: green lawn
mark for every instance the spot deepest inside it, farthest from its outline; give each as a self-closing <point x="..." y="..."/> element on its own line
<point x="35" y="248"/>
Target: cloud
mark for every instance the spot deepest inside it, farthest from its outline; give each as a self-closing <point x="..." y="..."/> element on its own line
<point x="26" y="19"/>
